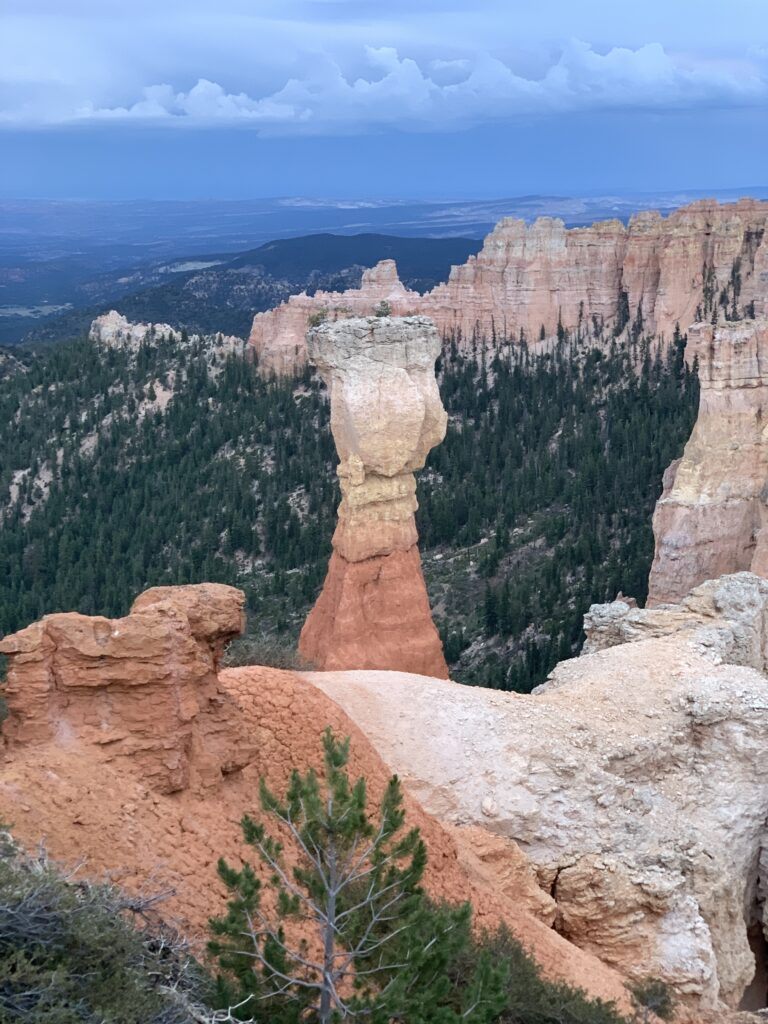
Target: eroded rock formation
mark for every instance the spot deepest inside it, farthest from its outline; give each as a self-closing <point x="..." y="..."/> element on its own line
<point x="712" y="515"/>
<point x="531" y="276"/>
<point x="386" y="415"/>
<point x="103" y="713"/>
<point x="116" y="331"/>
<point x="278" y="336"/>
<point x="142" y="688"/>
<point x="633" y="781"/>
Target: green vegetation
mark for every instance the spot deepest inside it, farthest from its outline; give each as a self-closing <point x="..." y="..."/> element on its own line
<point x="73" y="952"/>
<point x="120" y="471"/>
<point x="653" y="996"/>
<point x="113" y="493"/>
<point x="77" y="952"/>
<point x="350" y="932"/>
<point x="539" y="501"/>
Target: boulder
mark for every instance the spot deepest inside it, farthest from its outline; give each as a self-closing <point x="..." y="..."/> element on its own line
<point x="141" y="689"/>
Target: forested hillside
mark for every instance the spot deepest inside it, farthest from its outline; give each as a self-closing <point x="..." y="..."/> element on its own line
<point x="173" y="464"/>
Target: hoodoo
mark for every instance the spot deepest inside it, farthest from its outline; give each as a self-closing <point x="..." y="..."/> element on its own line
<point x="386" y="415"/>
<point x="712" y="515"/>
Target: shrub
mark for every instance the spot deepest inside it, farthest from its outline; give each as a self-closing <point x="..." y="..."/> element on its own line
<point x="316" y="318"/>
<point x="652" y="995"/>
<point x="75" y="952"/>
<point x="381" y="950"/>
<point x="265" y="649"/>
<point x="530" y="998"/>
<point x="384" y="308"/>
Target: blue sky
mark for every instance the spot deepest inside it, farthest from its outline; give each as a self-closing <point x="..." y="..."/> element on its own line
<point x="421" y="98"/>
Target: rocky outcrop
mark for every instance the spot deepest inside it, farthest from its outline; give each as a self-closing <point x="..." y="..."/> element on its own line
<point x="529" y="277"/>
<point x="102" y="714"/>
<point x="712" y="515"/>
<point x="141" y="689"/>
<point x="278" y="335"/>
<point x="116" y="331"/>
<point x="633" y="780"/>
<point x="386" y="415"/>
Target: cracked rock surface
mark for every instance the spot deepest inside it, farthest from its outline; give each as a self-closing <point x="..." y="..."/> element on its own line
<point x="634" y="779"/>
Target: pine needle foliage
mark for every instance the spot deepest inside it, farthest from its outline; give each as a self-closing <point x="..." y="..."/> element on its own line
<point x="374" y="948"/>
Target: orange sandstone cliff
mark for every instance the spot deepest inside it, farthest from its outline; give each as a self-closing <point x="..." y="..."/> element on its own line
<point x="711" y="518"/>
<point x="531" y="276"/>
<point x="124" y="750"/>
<point x="386" y="415"/>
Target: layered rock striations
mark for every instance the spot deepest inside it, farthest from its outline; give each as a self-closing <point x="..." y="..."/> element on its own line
<point x="142" y="689"/>
<point x="712" y="515"/>
<point x="386" y="415"/>
<point x="633" y="781"/>
<point x="529" y="277"/>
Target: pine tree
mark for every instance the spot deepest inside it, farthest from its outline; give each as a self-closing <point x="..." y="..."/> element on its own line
<point x="372" y="944"/>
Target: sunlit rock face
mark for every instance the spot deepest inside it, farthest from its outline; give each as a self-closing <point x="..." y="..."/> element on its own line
<point x="529" y="277"/>
<point x="386" y="415"/>
<point x="711" y="517"/>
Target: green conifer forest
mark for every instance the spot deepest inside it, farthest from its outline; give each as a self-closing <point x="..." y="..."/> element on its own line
<point x="173" y="463"/>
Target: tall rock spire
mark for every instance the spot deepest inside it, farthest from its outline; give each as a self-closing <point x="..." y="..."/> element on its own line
<point x="712" y="517"/>
<point x="386" y="415"/>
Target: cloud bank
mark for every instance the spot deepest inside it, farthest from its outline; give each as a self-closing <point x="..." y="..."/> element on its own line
<point x="393" y="90"/>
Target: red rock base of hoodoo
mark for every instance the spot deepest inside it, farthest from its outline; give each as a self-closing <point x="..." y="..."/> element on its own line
<point x="374" y="615"/>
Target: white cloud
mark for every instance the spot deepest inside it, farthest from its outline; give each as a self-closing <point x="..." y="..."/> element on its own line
<point x="397" y="90"/>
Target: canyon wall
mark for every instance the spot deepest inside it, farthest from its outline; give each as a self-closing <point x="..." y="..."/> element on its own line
<point x="278" y="336"/>
<point x="386" y="415"/>
<point x="711" y="518"/>
<point x="633" y="780"/>
<point x="531" y="276"/>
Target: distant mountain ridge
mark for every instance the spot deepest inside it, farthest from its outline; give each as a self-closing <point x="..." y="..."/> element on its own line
<point x="224" y="294"/>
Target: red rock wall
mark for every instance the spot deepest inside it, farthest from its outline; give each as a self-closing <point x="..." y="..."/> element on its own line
<point x="142" y="689"/>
